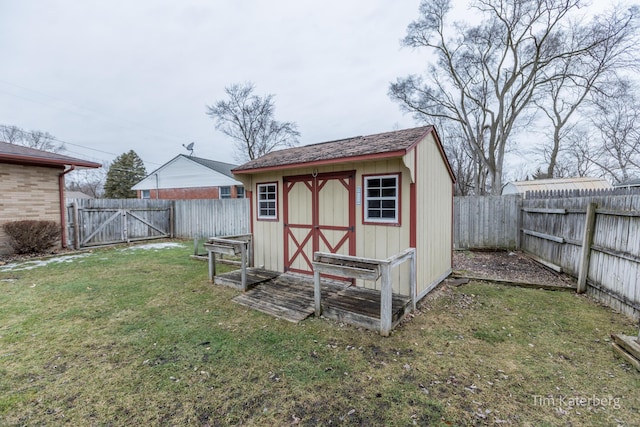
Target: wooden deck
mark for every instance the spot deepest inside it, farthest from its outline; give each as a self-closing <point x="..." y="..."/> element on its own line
<point x="290" y="297"/>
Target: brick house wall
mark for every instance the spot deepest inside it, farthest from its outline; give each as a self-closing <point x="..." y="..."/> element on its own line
<point x="27" y="192"/>
<point x="188" y="193"/>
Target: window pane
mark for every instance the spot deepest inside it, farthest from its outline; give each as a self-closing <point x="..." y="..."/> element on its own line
<point x="388" y="213"/>
<point x="389" y="182"/>
<point x="374" y="204"/>
<point x="382" y="198"/>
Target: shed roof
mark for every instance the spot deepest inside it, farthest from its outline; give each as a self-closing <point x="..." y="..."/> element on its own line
<point x="18" y="154"/>
<point x="381" y="145"/>
<point x="581" y="183"/>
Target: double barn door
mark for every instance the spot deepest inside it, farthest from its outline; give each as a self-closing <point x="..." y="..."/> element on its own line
<point x="319" y="215"/>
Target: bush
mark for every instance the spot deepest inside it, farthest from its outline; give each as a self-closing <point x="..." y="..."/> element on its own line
<point x="30" y="236"/>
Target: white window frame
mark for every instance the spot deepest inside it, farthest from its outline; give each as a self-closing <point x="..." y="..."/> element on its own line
<point x="227" y="194"/>
<point x="144" y="193"/>
<point x="270" y="190"/>
<point x="381" y="198"/>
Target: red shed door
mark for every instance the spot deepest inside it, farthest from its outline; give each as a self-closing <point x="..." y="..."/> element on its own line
<point x="319" y="215"/>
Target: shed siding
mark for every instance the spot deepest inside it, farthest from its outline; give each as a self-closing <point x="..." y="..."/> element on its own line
<point x="434" y="221"/>
<point x="268" y="241"/>
<point x="27" y="192"/>
<point x="434" y="204"/>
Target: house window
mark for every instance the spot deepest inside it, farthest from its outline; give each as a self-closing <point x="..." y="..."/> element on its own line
<point x="381" y="199"/>
<point x="225" y="192"/>
<point x="240" y="191"/>
<point x="268" y="201"/>
<point x="145" y="194"/>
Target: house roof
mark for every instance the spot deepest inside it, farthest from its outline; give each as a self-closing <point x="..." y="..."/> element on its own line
<point x="18" y="154"/>
<point x="629" y="183"/>
<point x="188" y="172"/>
<point x="76" y="195"/>
<point x="220" y="167"/>
<point x="582" y="183"/>
<point x="381" y="145"/>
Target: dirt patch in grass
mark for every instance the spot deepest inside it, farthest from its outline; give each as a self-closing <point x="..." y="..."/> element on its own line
<point x="507" y="265"/>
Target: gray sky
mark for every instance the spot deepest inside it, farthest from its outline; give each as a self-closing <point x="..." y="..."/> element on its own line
<point x="124" y="74"/>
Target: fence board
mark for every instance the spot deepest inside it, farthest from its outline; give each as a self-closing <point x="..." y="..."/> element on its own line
<point x="613" y="268"/>
<point x="485" y="222"/>
<point x="191" y="218"/>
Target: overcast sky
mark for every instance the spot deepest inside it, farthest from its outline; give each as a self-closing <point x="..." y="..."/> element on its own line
<point x="123" y="74"/>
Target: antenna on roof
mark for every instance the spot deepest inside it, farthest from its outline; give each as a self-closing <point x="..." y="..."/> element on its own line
<point x="189" y="147"/>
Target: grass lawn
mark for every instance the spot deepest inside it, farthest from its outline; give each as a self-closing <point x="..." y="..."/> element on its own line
<point x="139" y="337"/>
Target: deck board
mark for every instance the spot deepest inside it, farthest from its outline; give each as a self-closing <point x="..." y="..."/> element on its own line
<point x="290" y="297"/>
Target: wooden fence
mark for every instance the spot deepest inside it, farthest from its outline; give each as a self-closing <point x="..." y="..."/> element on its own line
<point x="485" y="222"/>
<point x="595" y="239"/>
<point x="600" y="246"/>
<point x="92" y="222"/>
<point x="211" y="218"/>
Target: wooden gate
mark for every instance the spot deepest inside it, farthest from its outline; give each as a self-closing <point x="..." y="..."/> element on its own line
<point x="104" y="225"/>
<point x="319" y="215"/>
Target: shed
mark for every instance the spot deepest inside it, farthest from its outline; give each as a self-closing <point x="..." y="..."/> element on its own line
<point x="368" y="196"/>
<point x="189" y="177"/>
<point x="556" y="184"/>
<point x="32" y="186"/>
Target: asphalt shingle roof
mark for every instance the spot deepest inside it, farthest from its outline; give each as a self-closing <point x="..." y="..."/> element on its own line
<point x="223" y="168"/>
<point x="343" y="149"/>
<point x="20" y="154"/>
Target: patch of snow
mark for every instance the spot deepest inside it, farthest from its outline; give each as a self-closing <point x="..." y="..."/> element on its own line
<point x="155" y="246"/>
<point x="30" y="265"/>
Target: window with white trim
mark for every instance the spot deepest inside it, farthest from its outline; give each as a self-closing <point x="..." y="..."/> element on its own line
<point x="145" y="194"/>
<point x="381" y="198"/>
<point x="225" y="192"/>
<point x="268" y="201"/>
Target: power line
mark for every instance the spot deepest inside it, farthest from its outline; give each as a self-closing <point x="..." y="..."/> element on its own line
<point x="53" y="138"/>
<point x="93" y="112"/>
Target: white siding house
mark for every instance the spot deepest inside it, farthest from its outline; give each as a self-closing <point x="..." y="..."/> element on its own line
<point x="188" y="177"/>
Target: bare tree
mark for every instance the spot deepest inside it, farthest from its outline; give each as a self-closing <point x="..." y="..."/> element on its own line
<point x="613" y="44"/>
<point x="33" y="139"/>
<point x="249" y="120"/>
<point x="88" y="181"/>
<point x="617" y="118"/>
<point x="487" y="76"/>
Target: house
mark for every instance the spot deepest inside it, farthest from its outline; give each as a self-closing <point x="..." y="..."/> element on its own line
<point x="189" y="177"/>
<point x="556" y="184"/>
<point x="629" y="184"/>
<point x="32" y="186"/>
<point x="368" y="196"/>
<point x="73" y="195"/>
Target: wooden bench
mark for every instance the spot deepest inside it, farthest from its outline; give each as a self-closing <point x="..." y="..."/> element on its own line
<point x="365" y="269"/>
<point x="229" y="245"/>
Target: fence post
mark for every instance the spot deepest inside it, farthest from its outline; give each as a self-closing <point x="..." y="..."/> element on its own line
<point x="385" y="300"/>
<point x="519" y="218"/>
<point x="587" y="240"/>
<point x="76" y="226"/>
<point x="125" y="231"/>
